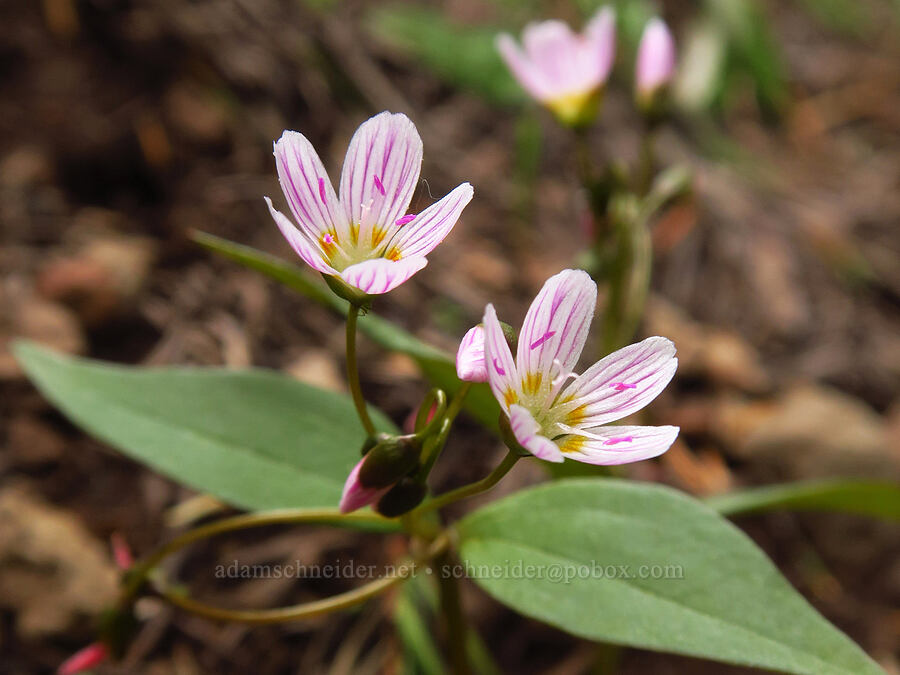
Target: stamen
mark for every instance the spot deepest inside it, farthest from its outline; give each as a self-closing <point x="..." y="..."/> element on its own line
<point x="379" y="185"/>
<point x="622" y="386"/>
<point x="498" y="367"/>
<point x="541" y="340"/>
<point x="322" y="191"/>
<point x="618" y="439"/>
<point x="408" y="218"/>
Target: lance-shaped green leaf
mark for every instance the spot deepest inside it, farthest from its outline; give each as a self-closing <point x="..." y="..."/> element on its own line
<point x="438" y="366"/>
<point x="646" y="566"/>
<point x="255" y="439"/>
<point x="866" y="498"/>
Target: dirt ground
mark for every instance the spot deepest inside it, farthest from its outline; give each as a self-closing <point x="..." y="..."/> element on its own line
<point x="126" y="125"/>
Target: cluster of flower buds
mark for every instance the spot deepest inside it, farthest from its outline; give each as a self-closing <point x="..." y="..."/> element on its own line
<point x="385" y="476"/>
<point x="567" y="72"/>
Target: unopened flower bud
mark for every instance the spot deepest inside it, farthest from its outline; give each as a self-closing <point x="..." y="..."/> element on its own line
<point x="406" y="495"/>
<point x="470" y="356"/>
<point x="84" y="659"/>
<point x="655" y="63"/>
<point x="355" y="496"/>
<point x="389" y="461"/>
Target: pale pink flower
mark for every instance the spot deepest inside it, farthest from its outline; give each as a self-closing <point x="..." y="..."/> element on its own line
<point x="470" y="356"/>
<point x="561" y="69"/>
<point x="364" y="237"/>
<point x="355" y="496"/>
<point x="555" y="413"/>
<point x="655" y="60"/>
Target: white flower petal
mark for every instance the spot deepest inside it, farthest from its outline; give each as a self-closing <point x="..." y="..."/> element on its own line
<point x="556" y="327"/>
<point x="381" y="275"/>
<point x="428" y="229"/>
<point x="380" y="172"/>
<point x="307" y="187"/>
<point x="310" y="253"/>
<point x="498" y="359"/>
<point x="623" y="382"/>
<point x="620" y="444"/>
<point x="525" y="429"/>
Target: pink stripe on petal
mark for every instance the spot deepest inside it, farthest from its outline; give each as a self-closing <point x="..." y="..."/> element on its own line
<point x="470" y="365"/>
<point x="525" y="429"/>
<point x="429" y="228"/>
<point x="502" y="374"/>
<point x="388" y="148"/>
<point x="381" y="275"/>
<point x="623" y="382"/>
<point x="623" y="445"/>
<point x="408" y="218"/>
<point x="309" y="252"/>
<point x="311" y="198"/>
<point x="557" y="324"/>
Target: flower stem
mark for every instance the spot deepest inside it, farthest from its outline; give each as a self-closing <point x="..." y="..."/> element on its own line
<point x="433" y="450"/>
<point x="142" y="571"/>
<point x="465" y="491"/>
<point x="451" y="610"/>
<point x="353" y="372"/>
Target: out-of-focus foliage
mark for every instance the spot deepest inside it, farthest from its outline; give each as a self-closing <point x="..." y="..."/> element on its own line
<point x="867" y="498"/>
<point x="463" y="56"/>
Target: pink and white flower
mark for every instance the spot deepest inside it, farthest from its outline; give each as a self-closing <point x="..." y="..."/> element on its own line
<point x="554" y="413"/>
<point x="655" y="60"/>
<point x="470" y="356"/>
<point x="364" y="237"/>
<point x="561" y="69"/>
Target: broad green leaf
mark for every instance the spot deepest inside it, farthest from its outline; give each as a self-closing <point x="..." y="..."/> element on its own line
<point x="255" y="439"/>
<point x="463" y="56"/>
<point x="716" y="596"/>
<point x="438" y="366"/>
<point x="865" y="498"/>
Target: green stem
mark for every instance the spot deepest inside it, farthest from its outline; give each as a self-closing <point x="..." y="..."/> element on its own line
<point x="465" y="491"/>
<point x="353" y="372"/>
<point x="451" y="610"/>
<point x="401" y="571"/>
<point x="142" y="569"/>
<point x="433" y="450"/>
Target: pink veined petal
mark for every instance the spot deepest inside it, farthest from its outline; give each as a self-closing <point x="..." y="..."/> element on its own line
<point x="310" y="252"/>
<point x="381" y="275"/>
<point x="428" y="229"/>
<point x="656" y="57"/>
<point x="623" y="382"/>
<point x="498" y="360"/>
<point x="380" y="172"/>
<point x="599" y="49"/>
<point x="622" y="445"/>
<point x="525" y="429"/>
<point x="355" y="496"/>
<point x="470" y="366"/>
<point x="553" y="49"/>
<point x="556" y="326"/>
<point x="304" y="182"/>
<point x="522" y="67"/>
